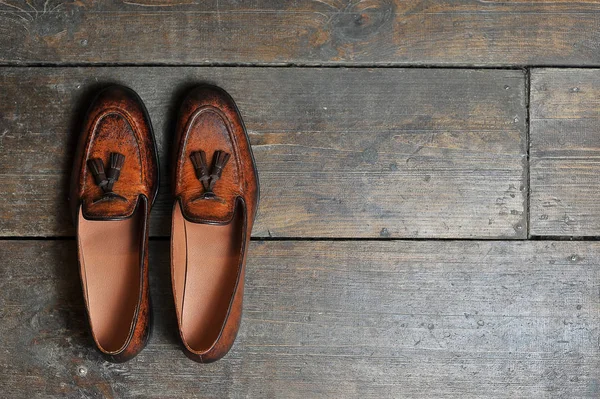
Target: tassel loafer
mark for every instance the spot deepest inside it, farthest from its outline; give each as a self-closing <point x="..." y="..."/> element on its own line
<point x="114" y="184"/>
<point x="216" y="198"/>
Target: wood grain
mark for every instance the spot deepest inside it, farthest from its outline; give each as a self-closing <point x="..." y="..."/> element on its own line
<point x="407" y="319"/>
<point x="340" y="152"/>
<point x="565" y="152"/>
<point x="374" y="32"/>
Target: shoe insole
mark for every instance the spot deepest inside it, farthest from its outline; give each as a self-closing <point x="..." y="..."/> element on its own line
<point x="206" y="261"/>
<point x="110" y="267"/>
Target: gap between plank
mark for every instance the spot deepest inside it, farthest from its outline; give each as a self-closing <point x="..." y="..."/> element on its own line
<point x="350" y="239"/>
<point x="288" y="65"/>
<point x="528" y="149"/>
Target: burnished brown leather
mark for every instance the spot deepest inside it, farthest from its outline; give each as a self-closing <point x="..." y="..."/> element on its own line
<point x="112" y="224"/>
<point x="212" y="221"/>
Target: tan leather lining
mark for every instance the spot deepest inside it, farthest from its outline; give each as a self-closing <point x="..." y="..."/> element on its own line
<point x="206" y="261"/>
<point x="109" y="254"/>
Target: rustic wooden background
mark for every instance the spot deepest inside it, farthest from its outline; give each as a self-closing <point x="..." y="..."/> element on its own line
<point x="430" y="210"/>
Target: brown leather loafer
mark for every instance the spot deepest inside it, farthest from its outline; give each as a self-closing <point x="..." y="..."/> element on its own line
<point x="114" y="184"/>
<point x="216" y="198"/>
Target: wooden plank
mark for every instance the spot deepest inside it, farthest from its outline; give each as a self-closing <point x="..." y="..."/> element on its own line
<point x="468" y="319"/>
<point x="565" y="152"/>
<point x="340" y="152"/>
<point x="416" y="32"/>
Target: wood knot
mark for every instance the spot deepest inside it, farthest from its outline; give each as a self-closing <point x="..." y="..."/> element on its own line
<point x="360" y="21"/>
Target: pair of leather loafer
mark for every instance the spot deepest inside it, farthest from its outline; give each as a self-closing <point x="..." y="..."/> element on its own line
<point x="114" y="185"/>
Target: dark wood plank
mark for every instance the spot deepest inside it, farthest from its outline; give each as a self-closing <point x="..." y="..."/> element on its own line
<point x="565" y="152"/>
<point x="416" y="32"/>
<point x="455" y="319"/>
<point x="340" y="152"/>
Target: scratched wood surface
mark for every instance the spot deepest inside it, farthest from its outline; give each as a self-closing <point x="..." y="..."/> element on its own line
<point x="341" y="152"/>
<point x="565" y="152"/>
<point x="493" y="162"/>
<point x="382" y="32"/>
<point x="387" y="319"/>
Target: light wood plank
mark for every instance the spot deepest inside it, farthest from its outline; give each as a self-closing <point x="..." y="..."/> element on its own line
<point x="565" y="152"/>
<point x="375" y="32"/>
<point x="409" y="319"/>
<point x="340" y="152"/>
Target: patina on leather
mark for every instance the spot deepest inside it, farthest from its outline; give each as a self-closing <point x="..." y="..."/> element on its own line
<point x="114" y="183"/>
<point x="216" y="198"/>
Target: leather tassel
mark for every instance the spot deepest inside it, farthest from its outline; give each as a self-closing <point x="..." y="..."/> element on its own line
<point x="220" y="159"/>
<point x="114" y="171"/>
<point x="201" y="168"/>
<point x="97" y="168"/>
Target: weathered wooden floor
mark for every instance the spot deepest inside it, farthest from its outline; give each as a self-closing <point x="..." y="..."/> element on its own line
<point x="430" y="180"/>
